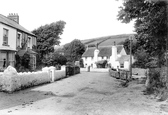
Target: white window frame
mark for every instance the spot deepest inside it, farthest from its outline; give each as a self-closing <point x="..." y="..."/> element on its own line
<point x="121" y="65"/>
<point x="18" y="40"/>
<point x="33" y="41"/>
<point x="29" y="42"/>
<point x="5" y="36"/>
<point x="2" y="58"/>
<point x="33" y="57"/>
<point x="11" y="60"/>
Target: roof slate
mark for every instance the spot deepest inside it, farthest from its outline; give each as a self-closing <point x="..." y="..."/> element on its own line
<point x="107" y="40"/>
<point x="123" y="58"/>
<point x="89" y="52"/>
<point x="103" y="51"/>
<point x="9" y="22"/>
<point x="29" y="51"/>
<point x="119" y="48"/>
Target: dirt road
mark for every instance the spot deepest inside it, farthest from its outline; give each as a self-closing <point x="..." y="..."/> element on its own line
<point x="88" y="93"/>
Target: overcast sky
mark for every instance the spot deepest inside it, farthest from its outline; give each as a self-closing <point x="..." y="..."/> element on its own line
<point x="84" y="18"/>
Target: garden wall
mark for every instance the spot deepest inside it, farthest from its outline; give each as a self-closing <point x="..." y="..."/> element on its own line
<point x="122" y="74"/>
<point x="11" y="81"/>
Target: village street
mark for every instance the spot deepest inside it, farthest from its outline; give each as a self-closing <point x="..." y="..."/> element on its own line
<point x="88" y="93"/>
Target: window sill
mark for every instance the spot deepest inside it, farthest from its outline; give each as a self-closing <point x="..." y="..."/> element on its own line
<point x="5" y="45"/>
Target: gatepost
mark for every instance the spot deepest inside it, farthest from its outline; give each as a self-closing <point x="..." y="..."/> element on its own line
<point x="52" y="73"/>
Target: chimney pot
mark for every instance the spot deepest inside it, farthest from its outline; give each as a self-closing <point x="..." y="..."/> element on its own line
<point x="114" y="43"/>
<point x="14" y="17"/>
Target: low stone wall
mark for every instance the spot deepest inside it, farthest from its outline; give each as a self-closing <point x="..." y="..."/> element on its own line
<point x="59" y="74"/>
<point x="122" y="74"/>
<point x="11" y="81"/>
<point x="33" y="78"/>
<point x="113" y="73"/>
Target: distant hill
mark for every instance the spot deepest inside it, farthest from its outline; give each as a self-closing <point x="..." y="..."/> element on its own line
<point x="107" y="40"/>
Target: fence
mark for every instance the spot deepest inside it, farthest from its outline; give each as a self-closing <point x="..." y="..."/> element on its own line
<point x="122" y="74"/>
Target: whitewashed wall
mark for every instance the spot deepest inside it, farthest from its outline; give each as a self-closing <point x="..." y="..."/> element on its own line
<point x="89" y="61"/>
<point x="11" y="81"/>
<point x="11" y="36"/>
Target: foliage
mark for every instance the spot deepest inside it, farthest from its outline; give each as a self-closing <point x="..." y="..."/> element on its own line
<point x="81" y="63"/>
<point x="150" y="24"/>
<point x="54" y="59"/>
<point x="126" y="44"/>
<point x="142" y="57"/>
<point x="47" y="37"/>
<point x="157" y="80"/>
<point x="59" y="59"/>
<point x="72" y="70"/>
<point x="101" y="64"/>
<point x="22" y="63"/>
<point x="73" y="51"/>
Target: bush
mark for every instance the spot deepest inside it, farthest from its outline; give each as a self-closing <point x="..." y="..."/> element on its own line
<point x="58" y="67"/>
<point x="23" y="63"/>
<point x="157" y="80"/>
<point x="72" y="70"/>
<point x="101" y="64"/>
<point x="81" y="63"/>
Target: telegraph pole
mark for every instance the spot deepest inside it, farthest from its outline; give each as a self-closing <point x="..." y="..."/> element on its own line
<point x="131" y="38"/>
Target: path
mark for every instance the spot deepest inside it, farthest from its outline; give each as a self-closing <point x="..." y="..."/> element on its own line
<point x="88" y="93"/>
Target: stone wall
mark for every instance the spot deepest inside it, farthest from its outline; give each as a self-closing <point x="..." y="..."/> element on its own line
<point x="11" y="81"/>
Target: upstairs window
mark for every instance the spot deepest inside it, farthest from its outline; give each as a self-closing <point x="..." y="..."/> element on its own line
<point x="5" y="36"/>
<point x="18" y="40"/>
<point x="121" y="65"/>
<point x="33" y="41"/>
<point x="29" y="42"/>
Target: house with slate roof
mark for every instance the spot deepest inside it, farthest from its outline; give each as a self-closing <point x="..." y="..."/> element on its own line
<point x="114" y="54"/>
<point x="15" y="38"/>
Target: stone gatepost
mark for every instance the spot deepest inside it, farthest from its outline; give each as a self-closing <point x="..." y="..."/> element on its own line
<point x="52" y="73"/>
<point x="10" y="80"/>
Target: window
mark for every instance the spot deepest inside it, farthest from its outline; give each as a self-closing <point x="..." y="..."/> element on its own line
<point x="33" y="41"/>
<point x="33" y="61"/>
<point x="121" y="65"/>
<point x="3" y="57"/>
<point x="11" y="59"/>
<point x="5" y="36"/>
<point x="18" y="40"/>
<point x="28" y="42"/>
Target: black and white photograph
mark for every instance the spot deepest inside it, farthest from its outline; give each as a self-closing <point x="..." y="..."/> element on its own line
<point x="84" y="57"/>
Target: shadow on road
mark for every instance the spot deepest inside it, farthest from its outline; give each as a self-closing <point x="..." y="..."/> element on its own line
<point x="24" y="97"/>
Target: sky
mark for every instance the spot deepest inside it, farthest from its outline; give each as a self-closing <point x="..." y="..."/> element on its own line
<point x="84" y="19"/>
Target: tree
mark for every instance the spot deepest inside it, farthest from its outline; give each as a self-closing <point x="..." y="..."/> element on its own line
<point x="47" y="37"/>
<point x="74" y="50"/>
<point x="22" y="63"/>
<point x="150" y="24"/>
<point x="59" y="59"/>
<point x="126" y="44"/>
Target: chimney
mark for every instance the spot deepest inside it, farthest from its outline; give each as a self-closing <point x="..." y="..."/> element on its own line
<point x="14" y="17"/>
<point x="114" y="55"/>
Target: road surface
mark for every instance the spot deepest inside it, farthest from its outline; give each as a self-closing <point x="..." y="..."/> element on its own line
<point x="88" y="93"/>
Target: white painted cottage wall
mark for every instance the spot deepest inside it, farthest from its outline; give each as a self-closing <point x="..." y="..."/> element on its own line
<point x="11" y="36"/>
<point x="88" y="62"/>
